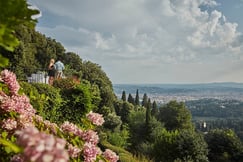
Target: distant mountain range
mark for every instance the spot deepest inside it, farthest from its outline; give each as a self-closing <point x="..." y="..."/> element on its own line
<point x="207" y="89"/>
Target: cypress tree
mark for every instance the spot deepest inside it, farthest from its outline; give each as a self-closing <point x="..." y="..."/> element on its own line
<point x="130" y="99"/>
<point x="145" y="100"/>
<point x="148" y="111"/>
<point x="137" y="98"/>
<point x="155" y="110"/>
<point x="125" y="111"/>
<point x="124" y="96"/>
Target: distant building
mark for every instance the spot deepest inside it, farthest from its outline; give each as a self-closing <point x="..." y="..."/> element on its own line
<point x="204" y="124"/>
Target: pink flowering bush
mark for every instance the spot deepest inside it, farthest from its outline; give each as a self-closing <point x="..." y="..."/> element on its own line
<point x="110" y="155"/>
<point x="9" y="124"/>
<point x="90" y="152"/>
<point x="27" y="137"/>
<point x="74" y="151"/>
<point x="95" y="118"/>
<point x="9" y="79"/>
<point x="90" y="136"/>
<point x="39" y="146"/>
<point x="71" y="128"/>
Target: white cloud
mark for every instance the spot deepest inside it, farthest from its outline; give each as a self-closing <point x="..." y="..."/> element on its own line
<point x="100" y="42"/>
<point x="37" y="16"/>
<point x="142" y="32"/>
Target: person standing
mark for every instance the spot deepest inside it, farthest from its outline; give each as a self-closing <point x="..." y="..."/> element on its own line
<point x="51" y="72"/>
<point x="59" y="66"/>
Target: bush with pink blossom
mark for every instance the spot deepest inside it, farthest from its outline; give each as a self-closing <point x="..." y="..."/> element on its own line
<point x="95" y="118"/>
<point x="25" y="136"/>
<point x="110" y="155"/>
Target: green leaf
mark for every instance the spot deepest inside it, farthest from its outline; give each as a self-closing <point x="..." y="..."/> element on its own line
<point x="10" y="146"/>
<point x="13" y="13"/>
<point x="3" y="61"/>
<point x="4" y="134"/>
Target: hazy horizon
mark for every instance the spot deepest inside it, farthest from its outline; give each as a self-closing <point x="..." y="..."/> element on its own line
<point x="177" y="83"/>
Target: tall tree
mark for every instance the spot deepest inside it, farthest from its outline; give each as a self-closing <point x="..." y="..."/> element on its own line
<point x="95" y="75"/>
<point x="137" y="130"/>
<point x="74" y="61"/>
<point x="175" y="115"/>
<point x="145" y="100"/>
<point x="130" y="99"/>
<point x="155" y="110"/>
<point x="13" y="14"/>
<point x="148" y="112"/>
<point x="125" y="111"/>
<point x="124" y="98"/>
<point x="137" y="98"/>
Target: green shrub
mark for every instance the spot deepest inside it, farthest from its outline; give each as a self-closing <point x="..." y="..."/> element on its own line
<point x="119" y="139"/>
<point x="183" y="145"/>
<point x="224" y="145"/>
<point x="95" y="94"/>
<point x="112" y="121"/>
<point x="78" y="102"/>
<point x="37" y="100"/>
<point x="52" y="104"/>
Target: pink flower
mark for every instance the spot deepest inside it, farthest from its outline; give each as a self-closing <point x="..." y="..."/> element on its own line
<point x="25" y="121"/>
<point x="90" y="136"/>
<point x="110" y="156"/>
<point x="38" y="119"/>
<point x="19" y="104"/>
<point x="8" y="104"/>
<point x="90" y="152"/>
<point x="73" y="151"/>
<point x="9" y="78"/>
<point x="53" y="128"/>
<point x="95" y="118"/>
<point x="9" y="124"/>
<point x="41" y="147"/>
<point x="71" y="128"/>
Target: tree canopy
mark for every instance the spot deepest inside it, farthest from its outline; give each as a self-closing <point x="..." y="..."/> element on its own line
<point x="175" y="115"/>
<point x="224" y="145"/>
<point x="13" y="13"/>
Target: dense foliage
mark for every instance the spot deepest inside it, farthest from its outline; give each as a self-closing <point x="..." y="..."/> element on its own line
<point x="224" y="146"/>
<point x="175" y="116"/>
<point x="216" y="108"/>
<point x="210" y="114"/>
<point x="46" y="100"/>
<point x="183" y="145"/>
<point x="13" y="13"/>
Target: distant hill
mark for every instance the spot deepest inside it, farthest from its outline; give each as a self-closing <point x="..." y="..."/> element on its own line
<point x="207" y="90"/>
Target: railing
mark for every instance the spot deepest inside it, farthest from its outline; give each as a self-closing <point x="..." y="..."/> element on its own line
<point x="38" y="77"/>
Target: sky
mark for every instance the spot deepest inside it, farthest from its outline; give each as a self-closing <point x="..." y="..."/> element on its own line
<point x="151" y="41"/>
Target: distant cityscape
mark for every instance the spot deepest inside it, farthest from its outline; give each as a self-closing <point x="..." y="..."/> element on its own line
<point x="163" y="93"/>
